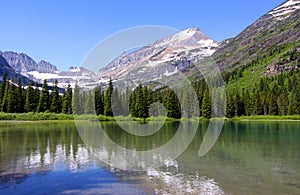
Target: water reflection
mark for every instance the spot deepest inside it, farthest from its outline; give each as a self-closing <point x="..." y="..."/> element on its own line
<point x="248" y="158"/>
<point x="126" y="151"/>
<point x="251" y="158"/>
<point x="38" y="148"/>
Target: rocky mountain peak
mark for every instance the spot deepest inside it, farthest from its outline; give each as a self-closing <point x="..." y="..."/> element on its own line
<point x="190" y="36"/>
<point x="46" y="67"/>
<point x="166" y="56"/>
<point x="19" y="61"/>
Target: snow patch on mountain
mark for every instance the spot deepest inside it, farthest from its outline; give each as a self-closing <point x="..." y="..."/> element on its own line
<point x="167" y="56"/>
<point x="42" y="76"/>
<point x="283" y="11"/>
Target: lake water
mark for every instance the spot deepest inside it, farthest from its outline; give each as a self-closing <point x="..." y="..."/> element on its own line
<point x="54" y="158"/>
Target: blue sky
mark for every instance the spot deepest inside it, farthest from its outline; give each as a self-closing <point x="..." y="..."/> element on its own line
<point x="63" y="31"/>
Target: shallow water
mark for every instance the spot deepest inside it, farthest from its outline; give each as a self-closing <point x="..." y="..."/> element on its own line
<point x="51" y="157"/>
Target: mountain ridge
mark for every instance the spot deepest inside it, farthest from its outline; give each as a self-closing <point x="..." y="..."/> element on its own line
<point x="266" y="32"/>
<point x="278" y="28"/>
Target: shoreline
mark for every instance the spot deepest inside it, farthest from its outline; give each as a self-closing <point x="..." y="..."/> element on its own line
<point x="47" y="116"/>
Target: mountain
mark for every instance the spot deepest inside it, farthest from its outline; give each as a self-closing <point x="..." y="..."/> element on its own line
<point x="160" y="59"/>
<point x="24" y="64"/>
<point x="269" y="46"/>
<point x="10" y="72"/>
<point x="64" y="78"/>
<point x="28" y="67"/>
<point x="267" y="40"/>
<point x="266" y="46"/>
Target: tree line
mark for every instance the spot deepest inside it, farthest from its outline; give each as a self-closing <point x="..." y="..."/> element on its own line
<point x="276" y="95"/>
<point x="15" y="98"/>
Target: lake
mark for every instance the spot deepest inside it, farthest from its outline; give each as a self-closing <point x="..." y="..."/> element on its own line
<point x="57" y="158"/>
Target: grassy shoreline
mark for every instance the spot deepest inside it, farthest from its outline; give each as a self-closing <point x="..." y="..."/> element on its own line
<point x="65" y="117"/>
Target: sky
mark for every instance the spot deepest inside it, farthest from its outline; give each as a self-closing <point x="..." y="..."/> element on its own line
<point x="63" y="32"/>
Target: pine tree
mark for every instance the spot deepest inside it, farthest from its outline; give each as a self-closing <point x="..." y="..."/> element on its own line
<point x="257" y="105"/>
<point x="20" y="97"/>
<point x="12" y="98"/>
<point x="76" y="101"/>
<point x="116" y="102"/>
<point x="89" y="106"/>
<point x="67" y="101"/>
<point x="30" y="103"/>
<point x="273" y="108"/>
<point x="247" y="102"/>
<point x="294" y="103"/>
<point x="147" y="101"/>
<point x="2" y="87"/>
<point x="139" y="102"/>
<point x="36" y="96"/>
<point x="126" y="101"/>
<point x="55" y="102"/>
<point x="132" y="100"/>
<point x="283" y="103"/>
<point x="206" y="104"/>
<point x="229" y="106"/>
<point x="172" y="105"/>
<point x="107" y="105"/>
<point x="44" y="98"/>
<point x="5" y="98"/>
<point x="99" y="103"/>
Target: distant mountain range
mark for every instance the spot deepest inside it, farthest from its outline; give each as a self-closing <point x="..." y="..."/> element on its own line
<point x="22" y="64"/>
<point x="278" y="30"/>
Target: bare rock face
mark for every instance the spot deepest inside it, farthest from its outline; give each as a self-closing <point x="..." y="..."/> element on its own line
<point x="165" y="56"/>
<point x="46" y="67"/>
<point x="23" y="63"/>
<point x="10" y="72"/>
<point x="277" y="27"/>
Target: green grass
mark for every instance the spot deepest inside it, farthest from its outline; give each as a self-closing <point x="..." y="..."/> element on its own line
<point x="252" y="74"/>
<point x="267" y="117"/>
<point x="65" y="117"/>
<point x="34" y="116"/>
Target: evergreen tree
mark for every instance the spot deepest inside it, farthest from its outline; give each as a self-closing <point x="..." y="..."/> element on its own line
<point x="107" y="105"/>
<point x="11" y="98"/>
<point x="2" y="87"/>
<point x="283" y="103"/>
<point x="273" y="109"/>
<point x="147" y="101"/>
<point x="257" y="105"/>
<point x="89" y="106"/>
<point x="20" y="97"/>
<point x="126" y="101"/>
<point x="5" y="98"/>
<point x="294" y="103"/>
<point x="139" y="102"/>
<point x="206" y="104"/>
<point x="30" y="103"/>
<point x="44" y="98"/>
<point x="229" y="106"/>
<point x="132" y="100"/>
<point x="247" y="102"/>
<point x="172" y="105"/>
<point x="99" y="102"/>
<point x="67" y="101"/>
<point x="55" y="101"/>
<point x="36" y="96"/>
<point x="76" y="101"/>
<point x="116" y="102"/>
